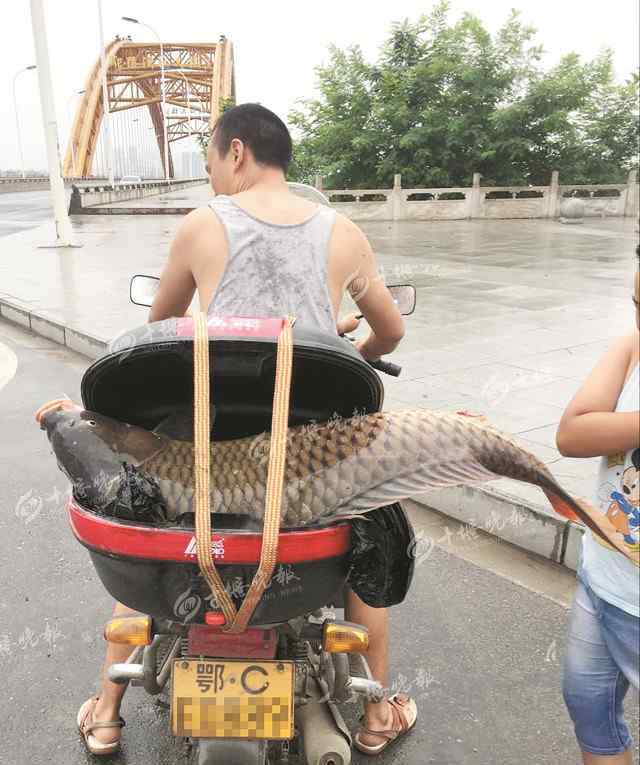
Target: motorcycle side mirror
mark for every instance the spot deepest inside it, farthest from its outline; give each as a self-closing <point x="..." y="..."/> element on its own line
<point x="143" y="289"/>
<point x="404" y="296"/>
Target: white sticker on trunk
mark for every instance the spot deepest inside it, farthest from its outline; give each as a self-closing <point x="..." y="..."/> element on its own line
<point x="217" y="548"/>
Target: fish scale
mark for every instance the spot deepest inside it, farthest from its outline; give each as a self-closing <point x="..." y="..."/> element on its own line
<point x="329" y="462"/>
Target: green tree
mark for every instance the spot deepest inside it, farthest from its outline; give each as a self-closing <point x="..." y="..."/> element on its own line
<point x="339" y="138"/>
<point x="445" y="100"/>
<point x="439" y="88"/>
<point x="609" y="132"/>
<point x="575" y="119"/>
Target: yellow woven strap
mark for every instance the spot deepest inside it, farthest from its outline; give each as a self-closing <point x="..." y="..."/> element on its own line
<point x="202" y="466"/>
<point x="275" y="481"/>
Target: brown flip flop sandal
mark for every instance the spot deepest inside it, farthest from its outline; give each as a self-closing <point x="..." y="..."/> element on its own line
<point x="404" y="715"/>
<point x="86" y="728"/>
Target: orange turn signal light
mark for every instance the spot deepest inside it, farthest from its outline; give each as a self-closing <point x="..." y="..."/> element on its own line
<point x="344" y="637"/>
<point x="131" y="630"/>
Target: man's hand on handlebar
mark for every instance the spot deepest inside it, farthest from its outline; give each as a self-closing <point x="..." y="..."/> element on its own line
<point x="361" y="345"/>
<point x="371" y="348"/>
<point x="364" y="346"/>
<point x="348" y="323"/>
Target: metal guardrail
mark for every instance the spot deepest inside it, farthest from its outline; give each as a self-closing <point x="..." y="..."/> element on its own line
<point x="31" y="179"/>
<point x="87" y="197"/>
<point x="85" y="186"/>
<point x="42" y="179"/>
<point x="102" y="182"/>
<point x="88" y="187"/>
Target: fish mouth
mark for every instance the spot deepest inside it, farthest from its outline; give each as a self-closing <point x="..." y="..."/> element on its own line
<point x="52" y="419"/>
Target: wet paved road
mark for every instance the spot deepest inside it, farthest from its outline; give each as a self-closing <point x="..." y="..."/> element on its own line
<point x="23" y="210"/>
<point x="481" y="653"/>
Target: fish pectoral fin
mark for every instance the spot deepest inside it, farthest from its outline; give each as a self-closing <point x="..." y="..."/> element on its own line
<point x="416" y="481"/>
<point x="140" y="445"/>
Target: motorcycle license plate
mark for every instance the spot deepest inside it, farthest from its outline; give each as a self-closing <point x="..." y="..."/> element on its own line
<point x="232" y="699"/>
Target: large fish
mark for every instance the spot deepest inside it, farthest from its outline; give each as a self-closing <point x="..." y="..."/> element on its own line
<point x="336" y="469"/>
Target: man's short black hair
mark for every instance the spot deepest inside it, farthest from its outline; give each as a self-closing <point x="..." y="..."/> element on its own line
<point x="258" y="128"/>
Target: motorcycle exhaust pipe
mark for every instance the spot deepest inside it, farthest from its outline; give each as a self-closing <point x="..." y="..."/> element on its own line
<point x="324" y="744"/>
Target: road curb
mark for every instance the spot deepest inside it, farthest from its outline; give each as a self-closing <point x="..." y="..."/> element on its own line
<point x="493" y="512"/>
<point x="509" y="518"/>
<point x="84" y="343"/>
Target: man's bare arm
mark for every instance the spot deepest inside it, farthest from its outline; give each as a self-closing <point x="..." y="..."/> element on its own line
<point x="589" y="426"/>
<point x="177" y="284"/>
<point x="374" y="300"/>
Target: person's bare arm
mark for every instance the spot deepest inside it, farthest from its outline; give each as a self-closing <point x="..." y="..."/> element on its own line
<point x="372" y="297"/>
<point x="589" y="426"/>
<point x="177" y="284"/>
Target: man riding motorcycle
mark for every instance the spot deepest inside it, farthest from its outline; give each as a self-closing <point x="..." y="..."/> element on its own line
<point x="259" y="250"/>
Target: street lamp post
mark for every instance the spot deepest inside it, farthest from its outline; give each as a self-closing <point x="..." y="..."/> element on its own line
<point x="162" y="92"/>
<point x="108" y="127"/>
<point x="64" y="234"/>
<point x="156" y="136"/>
<point x="73" y="148"/>
<point x="15" y="107"/>
<point x="136" y="133"/>
<point x="186" y="82"/>
<point x="188" y="89"/>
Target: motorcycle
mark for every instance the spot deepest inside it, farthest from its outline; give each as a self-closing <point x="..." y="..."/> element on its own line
<point x="268" y="695"/>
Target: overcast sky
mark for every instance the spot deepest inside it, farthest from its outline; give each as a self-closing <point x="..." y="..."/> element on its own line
<point x="277" y="44"/>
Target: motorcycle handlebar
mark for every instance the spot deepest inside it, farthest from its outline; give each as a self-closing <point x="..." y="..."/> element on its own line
<point x="387" y="367"/>
<point x="382" y="366"/>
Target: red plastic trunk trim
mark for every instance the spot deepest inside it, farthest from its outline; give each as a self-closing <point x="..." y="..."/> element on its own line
<point x="139" y="541"/>
<point x="252" y="644"/>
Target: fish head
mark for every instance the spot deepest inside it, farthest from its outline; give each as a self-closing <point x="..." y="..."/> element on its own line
<point x="91" y="450"/>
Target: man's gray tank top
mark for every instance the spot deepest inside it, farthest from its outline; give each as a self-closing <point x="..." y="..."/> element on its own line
<point x="275" y="269"/>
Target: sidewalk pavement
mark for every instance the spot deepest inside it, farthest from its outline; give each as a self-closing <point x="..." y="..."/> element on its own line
<point x="511" y="317"/>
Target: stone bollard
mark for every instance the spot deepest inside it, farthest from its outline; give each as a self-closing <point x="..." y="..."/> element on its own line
<point x="398" y="204"/>
<point x="572" y="210"/>
<point x="75" y="203"/>
<point x="474" y="203"/>
<point x="631" y="198"/>
<point x="553" y="195"/>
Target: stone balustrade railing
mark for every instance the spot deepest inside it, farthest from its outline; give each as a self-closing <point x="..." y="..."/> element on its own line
<point x="489" y="202"/>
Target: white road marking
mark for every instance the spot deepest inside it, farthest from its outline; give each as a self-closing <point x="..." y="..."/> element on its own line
<point x="8" y="365"/>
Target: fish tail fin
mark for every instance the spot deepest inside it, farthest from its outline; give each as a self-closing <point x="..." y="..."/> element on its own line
<point x="564" y="507"/>
<point x="583" y="512"/>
